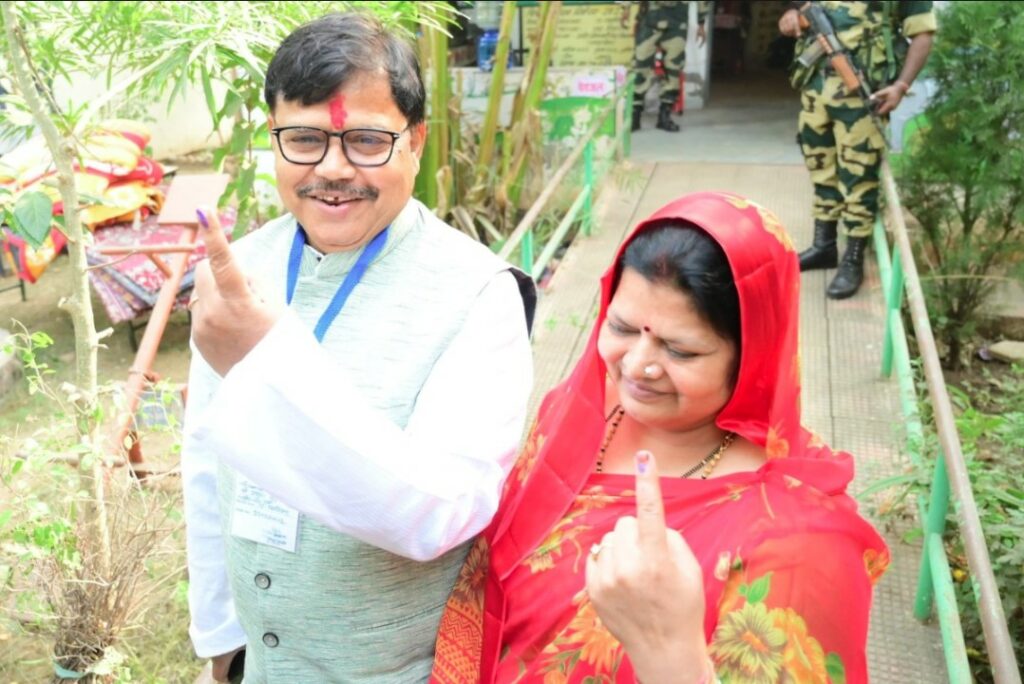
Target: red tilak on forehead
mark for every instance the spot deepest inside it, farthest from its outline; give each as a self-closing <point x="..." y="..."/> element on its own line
<point x="647" y="328"/>
<point x="338" y="112"/>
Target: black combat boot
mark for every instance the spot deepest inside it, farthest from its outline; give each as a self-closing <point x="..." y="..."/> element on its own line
<point x="665" y="121"/>
<point x="638" y="111"/>
<point x="851" y="270"/>
<point x="822" y="253"/>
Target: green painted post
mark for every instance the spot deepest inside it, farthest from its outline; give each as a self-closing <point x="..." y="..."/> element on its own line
<point x="957" y="665"/>
<point x="885" y="276"/>
<point x="938" y="505"/>
<point x="588" y="187"/>
<point x="881" y="243"/>
<point x="526" y="251"/>
<point x="890" y="271"/>
<point x="894" y="299"/>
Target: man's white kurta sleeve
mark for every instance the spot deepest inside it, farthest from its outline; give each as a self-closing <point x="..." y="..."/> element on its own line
<point x="214" y="628"/>
<point x="289" y="419"/>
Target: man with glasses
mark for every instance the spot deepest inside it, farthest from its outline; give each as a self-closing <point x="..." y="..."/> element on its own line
<point x="359" y="386"/>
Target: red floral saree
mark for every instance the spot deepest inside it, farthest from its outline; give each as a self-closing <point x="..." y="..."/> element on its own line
<point x="788" y="563"/>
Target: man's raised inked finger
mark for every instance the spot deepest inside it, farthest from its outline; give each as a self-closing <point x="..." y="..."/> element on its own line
<point x="228" y="277"/>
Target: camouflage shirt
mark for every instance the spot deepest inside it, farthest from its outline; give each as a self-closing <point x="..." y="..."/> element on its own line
<point x="675" y="8"/>
<point x="862" y="28"/>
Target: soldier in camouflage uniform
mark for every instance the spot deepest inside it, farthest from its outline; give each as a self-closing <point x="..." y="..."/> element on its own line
<point x="841" y="143"/>
<point x="661" y="22"/>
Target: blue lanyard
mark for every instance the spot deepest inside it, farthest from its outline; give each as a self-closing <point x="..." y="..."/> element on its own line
<point x="352" y="278"/>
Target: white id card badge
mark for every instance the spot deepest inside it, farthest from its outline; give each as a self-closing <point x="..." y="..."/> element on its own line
<point x="259" y="517"/>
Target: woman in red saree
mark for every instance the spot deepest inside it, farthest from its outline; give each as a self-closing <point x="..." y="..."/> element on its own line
<point x="762" y="569"/>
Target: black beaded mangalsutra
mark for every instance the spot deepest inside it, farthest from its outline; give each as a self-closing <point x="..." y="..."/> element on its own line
<point x="707" y="463"/>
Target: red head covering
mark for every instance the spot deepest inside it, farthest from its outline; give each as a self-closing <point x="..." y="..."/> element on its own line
<point x="765" y="405"/>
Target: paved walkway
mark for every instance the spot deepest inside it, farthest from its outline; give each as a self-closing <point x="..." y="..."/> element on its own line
<point x="743" y="142"/>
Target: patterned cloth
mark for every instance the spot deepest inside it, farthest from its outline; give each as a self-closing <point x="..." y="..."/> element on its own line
<point x="788" y="563"/>
<point x="112" y="168"/>
<point x="29" y="262"/>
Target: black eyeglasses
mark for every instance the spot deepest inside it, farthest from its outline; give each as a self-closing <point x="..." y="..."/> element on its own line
<point x="362" y="146"/>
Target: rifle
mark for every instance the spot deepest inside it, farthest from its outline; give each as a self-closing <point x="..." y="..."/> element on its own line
<point x="827" y="44"/>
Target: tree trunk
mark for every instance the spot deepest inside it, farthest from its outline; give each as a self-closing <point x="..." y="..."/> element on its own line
<point x="79" y="304"/>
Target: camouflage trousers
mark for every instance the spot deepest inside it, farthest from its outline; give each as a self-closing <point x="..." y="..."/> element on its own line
<point x="842" y="149"/>
<point x="666" y="27"/>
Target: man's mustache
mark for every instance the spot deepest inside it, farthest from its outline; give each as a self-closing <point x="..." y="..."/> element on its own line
<point x="345" y="191"/>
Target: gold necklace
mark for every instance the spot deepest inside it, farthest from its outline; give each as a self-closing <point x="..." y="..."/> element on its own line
<point x="707" y="463"/>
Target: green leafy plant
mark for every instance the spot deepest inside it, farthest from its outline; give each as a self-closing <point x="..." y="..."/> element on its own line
<point x="29" y="214"/>
<point x="66" y="579"/>
<point x="962" y="181"/>
<point x="990" y="423"/>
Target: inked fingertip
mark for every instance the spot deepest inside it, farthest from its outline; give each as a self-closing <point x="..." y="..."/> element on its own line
<point x="643" y="461"/>
<point x="203" y="221"/>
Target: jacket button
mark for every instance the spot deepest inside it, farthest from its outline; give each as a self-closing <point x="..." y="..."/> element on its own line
<point x="262" y="580"/>
<point x="270" y="640"/>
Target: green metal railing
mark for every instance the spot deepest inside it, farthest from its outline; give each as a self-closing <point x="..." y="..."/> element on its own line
<point x="935" y="586"/>
<point x="582" y="206"/>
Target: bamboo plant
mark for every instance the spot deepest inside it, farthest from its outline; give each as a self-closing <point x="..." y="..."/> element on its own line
<point x="478" y="181"/>
<point x="433" y="46"/>
<point x="525" y="108"/>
